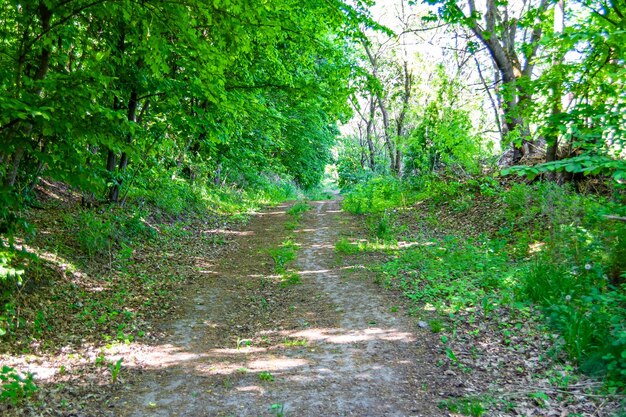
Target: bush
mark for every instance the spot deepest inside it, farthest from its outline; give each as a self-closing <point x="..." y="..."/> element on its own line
<point x="377" y="195"/>
<point x="343" y="245"/>
<point x="297" y="209"/>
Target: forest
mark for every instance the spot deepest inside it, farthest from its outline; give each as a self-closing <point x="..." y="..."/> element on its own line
<point x="264" y="174"/>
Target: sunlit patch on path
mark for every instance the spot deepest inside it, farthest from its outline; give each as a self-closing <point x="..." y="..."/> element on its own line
<point x="326" y="346"/>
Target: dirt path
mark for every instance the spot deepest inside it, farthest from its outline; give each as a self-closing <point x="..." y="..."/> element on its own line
<point x="244" y="342"/>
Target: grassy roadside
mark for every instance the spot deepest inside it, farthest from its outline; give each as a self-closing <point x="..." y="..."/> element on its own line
<point x="522" y="282"/>
<point x="91" y="278"/>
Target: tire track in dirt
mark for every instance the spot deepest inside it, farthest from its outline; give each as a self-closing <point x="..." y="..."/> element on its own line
<point x="242" y="342"/>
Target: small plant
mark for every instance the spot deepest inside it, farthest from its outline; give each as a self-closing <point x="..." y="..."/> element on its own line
<point x="278" y="409"/>
<point x="283" y="254"/>
<point x="343" y="245"/>
<point x="243" y="343"/>
<point x="467" y="406"/>
<point x="295" y="342"/>
<point x="291" y="278"/>
<point x="115" y="369"/>
<point x="100" y="359"/>
<point x="540" y="398"/>
<point x="266" y="376"/>
<point x="436" y="326"/>
<point x="15" y="388"/>
<point x="383" y="227"/>
<point x="291" y="225"/>
<point x="297" y="209"/>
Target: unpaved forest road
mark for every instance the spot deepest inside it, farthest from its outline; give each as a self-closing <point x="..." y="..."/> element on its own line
<point x="331" y="344"/>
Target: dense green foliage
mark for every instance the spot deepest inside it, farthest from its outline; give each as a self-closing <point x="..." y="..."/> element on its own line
<point x="111" y="96"/>
<point x="161" y="116"/>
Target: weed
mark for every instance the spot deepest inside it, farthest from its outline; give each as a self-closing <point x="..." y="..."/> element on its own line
<point x="383" y="227"/>
<point x="95" y="234"/>
<point x="101" y="359"/>
<point x="291" y="225"/>
<point x="40" y="324"/>
<point x="266" y="376"/>
<point x="289" y="279"/>
<point x="227" y="383"/>
<point x="15" y="387"/>
<point x="436" y="326"/>
<point x="343" y="245"/>
<point x="283" y="254"/>
<point x="295" y="342"/>
<point x="278" y="409"/>
<point x="540" y="398"/>
<point x="298" y="209"/>
<point x="466" y="406"/>
<point x="115" y="369"/>
<point x="243" y="343"/>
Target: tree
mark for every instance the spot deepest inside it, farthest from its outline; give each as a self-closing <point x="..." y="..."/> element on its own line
<point x="512" y="36"/>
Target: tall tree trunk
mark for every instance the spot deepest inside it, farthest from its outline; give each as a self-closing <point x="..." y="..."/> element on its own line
<point x="133" y="103"/>
<point x="387" y="135"/>
<point x="553" y="140"/>
<point x="400" y="122"/>
<point x="501" y="47"/>
<point x="368" y="135"/>
<point x="45" y="16"/>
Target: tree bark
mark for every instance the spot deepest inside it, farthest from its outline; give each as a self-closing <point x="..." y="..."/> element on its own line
<point x="368" y="135"/>
<point x="133" y="103"/>
<point x="45" y="15"/>
<point x="386" y="135"/>
<point x="503" y="53"/>
<point x="553" y="140"/>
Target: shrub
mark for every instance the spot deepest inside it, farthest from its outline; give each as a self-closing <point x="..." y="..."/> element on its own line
<point x="297" y="209"/>
<point x="343" y="245"/>
<point x="377" y="195"/>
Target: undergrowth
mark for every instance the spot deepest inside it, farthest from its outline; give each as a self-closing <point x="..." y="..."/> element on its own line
<point x="482" y="244"/>
<point x="98" y="274"/>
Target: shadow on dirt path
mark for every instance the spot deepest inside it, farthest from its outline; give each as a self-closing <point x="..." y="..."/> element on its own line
<point x="245" y="342"/>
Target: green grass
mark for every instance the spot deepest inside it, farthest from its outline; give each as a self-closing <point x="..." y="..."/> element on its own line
<point x="473" y="407"/>
<point x="298" y="209"/>
<point x="282" y="255"/>
<point x="289" y="279"/>
<point x="343" y="245"/>
<point x="295" y="342"/>
<point x="541" y="245"/>
<point x="266" y="376"/>
<point x="451" y="273"/>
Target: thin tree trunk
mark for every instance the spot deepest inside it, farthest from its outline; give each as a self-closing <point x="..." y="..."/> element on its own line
<point x="383" y="109"/>
<point x="386" y="135"/>
<point x="491" y="98"/>
<point x="132" y="117"/>
<point x="368" y="136"/>
<point x="15" y="165"/>
<point x="45" y="15"/>
<point x="553" y="141"/>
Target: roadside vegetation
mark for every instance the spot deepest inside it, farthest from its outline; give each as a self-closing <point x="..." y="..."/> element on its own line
<point x="534" y="268"/>
<point x="487" y="164"/>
